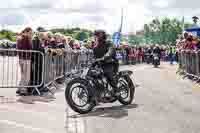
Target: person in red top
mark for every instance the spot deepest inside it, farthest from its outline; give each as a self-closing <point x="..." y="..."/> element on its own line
<point x="131" y="55"/>
<point x="190" y="43"/>
<point x="140" y="54"/>
<point x="24" y="42"/>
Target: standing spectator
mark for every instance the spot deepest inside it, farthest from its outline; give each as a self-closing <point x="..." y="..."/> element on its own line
<point x="52" y="44"/>
<point x="92" y="44"/>
<point x="132" y="55"/>
<point x="137" y="54"/>
<point x="177" y="55"/>
<point x="71" y="43"/>
<point x="171" y="54"/>
<point x="197" y="43"/>
<point x="127" y="54"/>
<point x="77" y="54"/>
<point x="59" y="41"/>
<point x="24" y="43"/>
<point x="39" y="44"/>
<point x="65" y="42"/>
<point x="190" y="44"/>
<point x="180" y="43"/>
<point x="185" y="35"/>
<point x="49" y="36"/>
<point x="140" y="54"/>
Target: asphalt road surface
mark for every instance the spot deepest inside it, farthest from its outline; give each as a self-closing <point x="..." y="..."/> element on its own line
<point x="164" y="103"/>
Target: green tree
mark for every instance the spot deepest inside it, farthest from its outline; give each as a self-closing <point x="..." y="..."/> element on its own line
<point x="81" y="35"/>
<point x="135" y="39"/>
<point x="163" y="31"/>
<point x="76" y="33"/>
<point x="6" y="34"/>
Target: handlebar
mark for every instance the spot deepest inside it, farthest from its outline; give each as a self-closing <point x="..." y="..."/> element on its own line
<point x="97" y="62"/>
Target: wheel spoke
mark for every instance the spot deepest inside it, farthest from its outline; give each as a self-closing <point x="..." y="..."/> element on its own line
<point x="124" y="89"/>
<point x="79" y="96"/>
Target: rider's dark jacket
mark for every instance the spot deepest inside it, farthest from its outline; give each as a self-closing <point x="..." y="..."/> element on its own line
<point x="105" y="51"/>
<point x="110" y="64"/>
<point x="157" y="50"/>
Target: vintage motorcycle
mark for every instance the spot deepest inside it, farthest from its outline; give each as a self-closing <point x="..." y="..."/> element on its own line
<point x="148" y="58"/>
<point x="156" y="60"/>
<point x="84" y="92"/>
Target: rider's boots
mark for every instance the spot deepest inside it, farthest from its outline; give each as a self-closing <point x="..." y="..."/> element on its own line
<point x="114" y="84"/>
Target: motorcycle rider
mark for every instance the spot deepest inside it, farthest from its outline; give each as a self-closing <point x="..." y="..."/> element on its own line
<point x="157" y="51"/>
<point x="106" y="54"/>
<point x="149" y="52"/>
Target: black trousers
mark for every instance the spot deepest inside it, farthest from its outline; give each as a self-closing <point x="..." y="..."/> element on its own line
<point x="36" y="72"/>
<point x="110" y="70"/>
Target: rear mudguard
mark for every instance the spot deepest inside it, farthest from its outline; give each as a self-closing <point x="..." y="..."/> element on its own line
<point x="126" y="74"/>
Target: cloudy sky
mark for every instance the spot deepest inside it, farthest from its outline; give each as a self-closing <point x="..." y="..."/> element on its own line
<point x="104" y="14"/>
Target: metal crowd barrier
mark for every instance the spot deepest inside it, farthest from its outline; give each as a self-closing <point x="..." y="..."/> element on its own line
<point x="34" y="69"/>
<point x="21" y="68"/>
<point x="189" y="63"/>
<point x="37" y="70"/>
<point x="53" y="68"/>
<point x="71" y="61"/>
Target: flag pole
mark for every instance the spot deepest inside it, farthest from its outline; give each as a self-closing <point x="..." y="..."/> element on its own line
<point x="121" y="25"/>
<point x="122" y="17"/>
<point x="117" y="35"/>
<point x="183" y="24"/>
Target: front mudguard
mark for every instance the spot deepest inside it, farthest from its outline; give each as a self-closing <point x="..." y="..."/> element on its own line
<point x="125" y="73"/>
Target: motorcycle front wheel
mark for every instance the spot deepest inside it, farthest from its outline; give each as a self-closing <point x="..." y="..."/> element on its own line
<point x="127" y="90"/>
<point x="78" y="95"/>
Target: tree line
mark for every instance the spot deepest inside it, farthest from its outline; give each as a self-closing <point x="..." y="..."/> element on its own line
<point x="158" y="31"/>
<point x="76" y="33"/>
<point x="163" y="31"/>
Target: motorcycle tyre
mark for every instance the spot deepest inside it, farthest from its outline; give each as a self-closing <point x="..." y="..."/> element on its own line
<point x="70" y="100"/>
<point x="131" y="89"/>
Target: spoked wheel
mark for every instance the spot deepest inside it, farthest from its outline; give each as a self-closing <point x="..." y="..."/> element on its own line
<point x="127" y="90"/>
<point x="78" y="95"/>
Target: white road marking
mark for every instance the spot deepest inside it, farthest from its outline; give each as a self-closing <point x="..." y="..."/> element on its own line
<point x="21" y="125"/>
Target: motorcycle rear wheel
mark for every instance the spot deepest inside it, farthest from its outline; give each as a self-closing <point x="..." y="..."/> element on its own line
<point x="86" y="91"/>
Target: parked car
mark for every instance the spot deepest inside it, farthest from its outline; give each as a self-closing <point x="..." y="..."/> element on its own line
<point x="7" y="44"/>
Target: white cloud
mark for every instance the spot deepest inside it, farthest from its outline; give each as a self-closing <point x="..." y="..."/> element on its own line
<point x="91" y="13"/>
<point x="161" y="3"/>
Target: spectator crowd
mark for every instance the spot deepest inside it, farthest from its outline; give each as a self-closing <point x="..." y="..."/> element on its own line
<point x="56" y="43"/>
<point x="130" y="54"/>
<point x="188" y="42"/>
<point x="126" y="53"/>
<point x="44" y="42"/>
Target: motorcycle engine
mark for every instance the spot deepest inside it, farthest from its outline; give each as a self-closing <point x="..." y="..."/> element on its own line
<point x="104" y="91"/>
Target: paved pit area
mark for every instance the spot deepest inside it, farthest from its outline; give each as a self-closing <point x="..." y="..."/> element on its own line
<point x="164" y="103"/>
